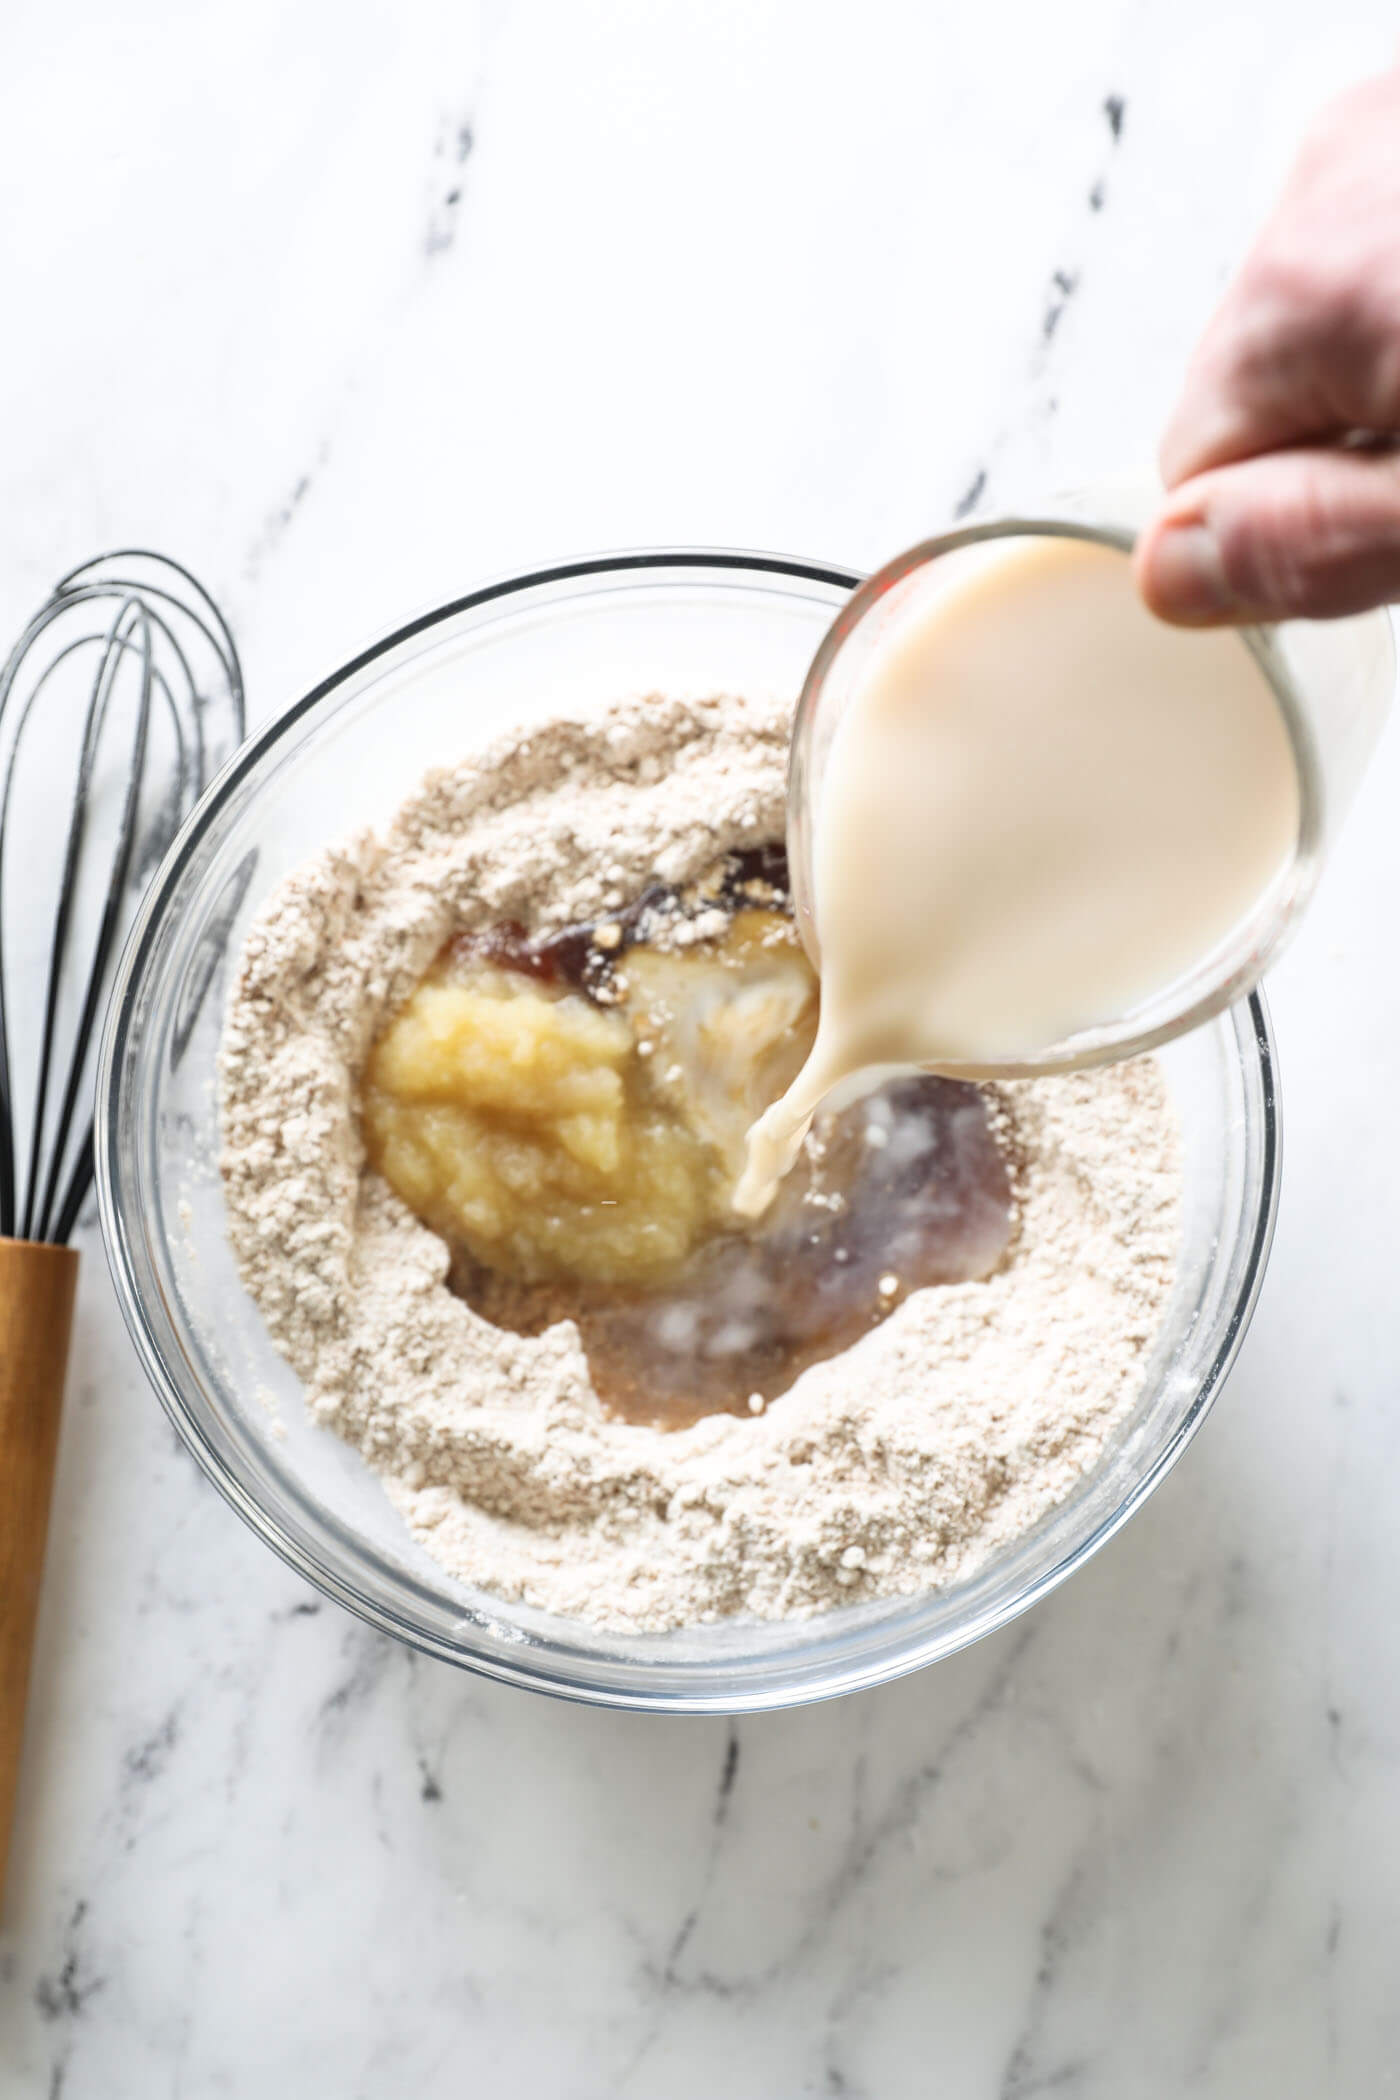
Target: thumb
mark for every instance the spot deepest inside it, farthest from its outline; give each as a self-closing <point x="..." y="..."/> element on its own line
<point x="1312" y="534"/>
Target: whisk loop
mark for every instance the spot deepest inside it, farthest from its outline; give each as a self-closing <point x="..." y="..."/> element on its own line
<point x="131" y="663"/>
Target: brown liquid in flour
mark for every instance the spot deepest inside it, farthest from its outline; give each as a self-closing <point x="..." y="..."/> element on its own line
<point x="587" y="1172"/>
<point x="922" y="1197"/>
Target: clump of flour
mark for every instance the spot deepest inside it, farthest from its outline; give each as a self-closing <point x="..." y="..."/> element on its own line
<point x="947" y="1430"/>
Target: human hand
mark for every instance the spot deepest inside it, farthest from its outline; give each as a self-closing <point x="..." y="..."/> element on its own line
<point x="1282" y="460"/>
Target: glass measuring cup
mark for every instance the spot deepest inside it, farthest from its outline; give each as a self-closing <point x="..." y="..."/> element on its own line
<point x="1332" y="681"/>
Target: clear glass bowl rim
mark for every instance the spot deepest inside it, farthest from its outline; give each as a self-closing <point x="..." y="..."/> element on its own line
<point x="321" y="1572"/>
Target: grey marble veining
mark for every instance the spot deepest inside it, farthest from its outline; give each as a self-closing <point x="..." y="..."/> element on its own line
<point x="349" y="306"/>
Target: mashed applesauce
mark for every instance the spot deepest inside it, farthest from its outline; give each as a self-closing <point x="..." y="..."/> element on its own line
<point x="554" y="1138"/>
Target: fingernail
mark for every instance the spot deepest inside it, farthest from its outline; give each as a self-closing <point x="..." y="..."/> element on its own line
<point x="1187" y="575"/>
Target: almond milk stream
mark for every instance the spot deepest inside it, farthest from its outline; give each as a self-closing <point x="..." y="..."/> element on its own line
<point x="1040" y="807"/>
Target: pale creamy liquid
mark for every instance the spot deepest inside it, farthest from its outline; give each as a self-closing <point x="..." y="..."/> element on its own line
<point x="1040" y="807"/>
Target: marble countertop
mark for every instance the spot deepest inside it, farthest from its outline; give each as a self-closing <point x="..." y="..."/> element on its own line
<point x="348" y="306"/>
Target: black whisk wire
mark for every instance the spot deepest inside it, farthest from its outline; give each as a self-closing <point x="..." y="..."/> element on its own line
<point x="36" y="1225"/>
<point x="138" y="609"/>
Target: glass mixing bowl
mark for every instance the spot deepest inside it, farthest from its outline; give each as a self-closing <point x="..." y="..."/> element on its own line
<point x="564" y="638"/>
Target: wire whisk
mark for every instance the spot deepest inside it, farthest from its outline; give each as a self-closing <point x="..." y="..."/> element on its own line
<point x="126" y="687"/>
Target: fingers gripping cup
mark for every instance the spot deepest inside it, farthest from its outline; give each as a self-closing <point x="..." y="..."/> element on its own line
<point x="1031" y="827"/>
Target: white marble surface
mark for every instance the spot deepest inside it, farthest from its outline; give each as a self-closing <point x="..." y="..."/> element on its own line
<point x="349" y="305"/>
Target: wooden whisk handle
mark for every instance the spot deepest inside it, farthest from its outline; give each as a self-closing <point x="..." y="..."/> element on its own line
<point x="36" y="1317"/>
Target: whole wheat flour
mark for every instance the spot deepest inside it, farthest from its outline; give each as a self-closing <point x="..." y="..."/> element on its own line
<point x="898" y="1466"/>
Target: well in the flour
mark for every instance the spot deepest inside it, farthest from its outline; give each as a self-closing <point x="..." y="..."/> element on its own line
<point x="574" y="1131"/>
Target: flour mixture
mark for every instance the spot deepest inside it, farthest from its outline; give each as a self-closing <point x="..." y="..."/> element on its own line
<point x="485" y="1083"/>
